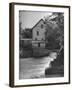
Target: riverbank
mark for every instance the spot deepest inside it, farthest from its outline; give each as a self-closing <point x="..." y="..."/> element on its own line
<point x="57" y="66"/>
<point x="35" y="52"/>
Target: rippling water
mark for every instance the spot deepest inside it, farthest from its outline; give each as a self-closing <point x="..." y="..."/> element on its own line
<point x="34" y="67"/>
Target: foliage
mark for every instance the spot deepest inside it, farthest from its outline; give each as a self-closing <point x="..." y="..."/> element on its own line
<point x="55" y="29"/>
<point x="25" y="33"/>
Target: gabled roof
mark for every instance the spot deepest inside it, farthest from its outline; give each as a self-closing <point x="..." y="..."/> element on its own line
<point x="38" y="23"/>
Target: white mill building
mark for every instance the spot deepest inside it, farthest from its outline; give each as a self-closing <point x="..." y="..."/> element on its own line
<point x="38" y="34"/>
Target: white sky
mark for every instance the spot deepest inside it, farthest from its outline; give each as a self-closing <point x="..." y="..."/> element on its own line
<point x="30" y="18"/>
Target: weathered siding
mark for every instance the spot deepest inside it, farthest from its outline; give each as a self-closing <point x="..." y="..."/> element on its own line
<point x="40" y="36"/>
<point x="41" y="31"/>
<point x="35" y="45"/>
<point x="42" y="44"/>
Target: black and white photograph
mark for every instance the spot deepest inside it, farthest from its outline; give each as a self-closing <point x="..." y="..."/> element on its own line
<point x="39" y="44"/>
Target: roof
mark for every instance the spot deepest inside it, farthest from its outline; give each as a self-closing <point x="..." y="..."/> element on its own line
<point x="37" y="23"/>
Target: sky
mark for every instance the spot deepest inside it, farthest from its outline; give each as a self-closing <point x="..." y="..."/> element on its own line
<point x="30" y="18"/>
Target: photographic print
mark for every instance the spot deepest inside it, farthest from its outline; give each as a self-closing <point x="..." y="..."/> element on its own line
<point x="41" y="44"/>
<point x="41" y="52"/>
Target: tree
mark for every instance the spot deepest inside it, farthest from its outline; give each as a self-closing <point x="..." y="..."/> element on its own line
<point x="55" y="28"/>
<point x="27" y="33"/>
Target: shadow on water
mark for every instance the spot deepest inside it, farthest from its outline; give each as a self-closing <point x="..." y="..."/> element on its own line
<point x="35" y="67"/>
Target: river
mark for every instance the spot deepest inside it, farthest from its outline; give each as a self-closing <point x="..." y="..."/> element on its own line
<point x="35" y="67"/>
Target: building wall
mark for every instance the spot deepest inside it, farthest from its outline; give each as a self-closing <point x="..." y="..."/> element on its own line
<point x="35" y="44"/>
<point x="42" y="44"/>
<point x="41" y="30"/>
<point x="38" y="35"/>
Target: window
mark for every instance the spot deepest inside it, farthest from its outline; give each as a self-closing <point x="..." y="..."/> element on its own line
<point x="35" y="38"/>
<point x="37" y="32"/>
<point x="41" y="25"/>
<point x="42" y="39"/>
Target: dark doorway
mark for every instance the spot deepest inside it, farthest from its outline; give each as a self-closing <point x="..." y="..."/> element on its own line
<point x="38" y="44"/>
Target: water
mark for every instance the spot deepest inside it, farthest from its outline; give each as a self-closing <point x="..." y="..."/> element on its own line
<point x="34" y="67"/>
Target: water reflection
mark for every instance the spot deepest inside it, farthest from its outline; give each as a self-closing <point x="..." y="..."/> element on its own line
<point x="35" y="67"/>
